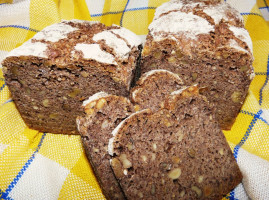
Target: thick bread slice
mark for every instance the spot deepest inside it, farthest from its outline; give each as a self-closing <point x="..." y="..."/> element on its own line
<point x="103" y="113"/>
<point x="178" y="152"/>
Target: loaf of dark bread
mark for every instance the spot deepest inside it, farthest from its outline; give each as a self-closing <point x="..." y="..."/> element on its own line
<point x="103" y="113"/>
<point x="203" y="42"/>
<point x="153" y="87"/>
<point x="50" y="75"/>
<point x="178" y="152"/>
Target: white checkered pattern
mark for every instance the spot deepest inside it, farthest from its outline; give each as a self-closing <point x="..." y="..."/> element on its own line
<point x="255" y="173"/>
<point x="42" y="171"/>
<point x="95" y="6"/>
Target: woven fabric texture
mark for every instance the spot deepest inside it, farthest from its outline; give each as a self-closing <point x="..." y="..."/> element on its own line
<point x="36" y="165"/>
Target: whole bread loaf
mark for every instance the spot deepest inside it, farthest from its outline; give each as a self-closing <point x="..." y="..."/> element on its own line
<point x="204" y="42"/>
<point x="50" y="75"/>
<point x="178" y="152"/>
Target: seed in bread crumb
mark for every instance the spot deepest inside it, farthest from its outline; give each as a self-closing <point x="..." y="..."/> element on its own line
<point x="175" y="173"/>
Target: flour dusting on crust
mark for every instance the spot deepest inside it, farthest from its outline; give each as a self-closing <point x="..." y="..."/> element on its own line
<point x="166" y="7"/>
<point x="178" y="22"/>
<point x="131" y="38"/>
<point x="236" y="46"/>
<point x="118" y="45"/>
<point x="94" y="52"/>
<point x="78" y="21"/>
<point x="243" y="35"/>
<point x="55" y="32"/>
<point x="30" y="48"/>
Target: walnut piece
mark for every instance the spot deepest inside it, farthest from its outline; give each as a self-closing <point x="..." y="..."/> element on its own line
<point x="200" y="179"/>
<point x="175" y="159"/>
<point x="125" y="162"/>
<point x="84" y="74"/>
<point x="197" y="190"/>
<point x="100" y="104"/>
<point x="154" y="147"/>
<point x="105" y="124"/>
<point x="175" y="173"/>
<point x="45" y="102"/>
<point x="236" y="97"/>
<point x="191" y="152"/>
<point x="182" y="193"/>
<point x="75" y="92"/>
<point x="144" y="158"/>
<point x="117" y="167"/>
<point x="136" y="108"/>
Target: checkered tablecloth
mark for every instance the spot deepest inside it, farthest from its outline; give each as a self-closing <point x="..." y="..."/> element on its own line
<point x="35" y="165"/>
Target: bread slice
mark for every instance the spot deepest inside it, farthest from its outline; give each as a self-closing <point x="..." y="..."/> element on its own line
<point x="103" y="112"/>
<point x="203" y="42"/>
<point x="153" y="87"/>
<point x="178" y="152"/>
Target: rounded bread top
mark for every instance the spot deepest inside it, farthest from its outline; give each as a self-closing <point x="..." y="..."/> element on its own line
<point x="200" y="20"/>
<point x="100" y="99"/>
<point x="157" y="72"/>
<point x="95" y="97"/>
<point x="149" y="77"/>
<point x="77" y="39"/>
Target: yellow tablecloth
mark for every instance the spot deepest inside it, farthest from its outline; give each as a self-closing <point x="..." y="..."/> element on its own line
<point x="35" y="165"/>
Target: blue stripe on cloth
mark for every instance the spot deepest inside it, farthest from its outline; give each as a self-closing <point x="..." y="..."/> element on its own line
<point x="266" y="7"/>
<point x="247" y="113"/>
<point x="7" y="198"/>
<point x="265" y="3"/>
<point x="117" y="12"/>
<point x="8" y="101"/>
<point x="244" y="139"/>
<point x="2" y="87"/>
<point x="264" y="121"/>
<point x="141" y="8"/>
<point x="231" y="197"/>
<point x="252" y="114"/>
<point x="106" y="13"/>
<point x="265" y="83"/>
<point x="124" y="12"/>
<point x="252" y="14"/>
<point x="21" y="27"/>
<point x="261" y="73"/>
<point x="24" y="168"/>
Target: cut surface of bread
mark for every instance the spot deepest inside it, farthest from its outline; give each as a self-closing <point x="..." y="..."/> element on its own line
<point x="178" y="152"/>
<point x="103" y="112"/>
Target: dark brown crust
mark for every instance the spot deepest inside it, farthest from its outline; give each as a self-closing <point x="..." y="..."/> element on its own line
<point x="188" y="139"/>
<point x="95" y="128"/>
<point x="224" y="72"/>
<point x="48" y="92"/>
